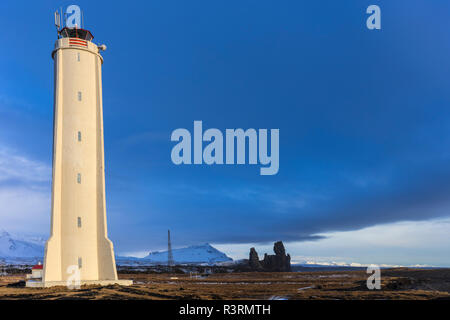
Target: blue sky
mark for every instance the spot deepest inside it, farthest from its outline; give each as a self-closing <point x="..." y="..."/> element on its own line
<point x="363" y="118"/>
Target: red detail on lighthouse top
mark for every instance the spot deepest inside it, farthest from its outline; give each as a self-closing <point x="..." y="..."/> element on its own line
<point x="77" y="42"/>
<point x="38" y="266"/>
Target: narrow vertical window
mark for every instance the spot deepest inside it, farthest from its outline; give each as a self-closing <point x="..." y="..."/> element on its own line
<point x="79" y="222"/>
<point x="79" y="95"/>
<point x="80" y="263"/>
<point x="79" y="135"/>
<point x="78" y="56"/>
<point x="79" y="178"/>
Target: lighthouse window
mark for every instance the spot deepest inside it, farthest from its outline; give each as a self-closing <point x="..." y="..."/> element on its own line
<point x="79" y="135"/>
<point x="79" y="222"/>
<point x="78" y="56"/>
<point x="79" y="95"/>
<point x="80" y="263"/>
<point x="79" y="178"/>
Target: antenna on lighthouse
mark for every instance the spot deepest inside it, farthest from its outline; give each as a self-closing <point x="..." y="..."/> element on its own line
<point x="57" y="20"/>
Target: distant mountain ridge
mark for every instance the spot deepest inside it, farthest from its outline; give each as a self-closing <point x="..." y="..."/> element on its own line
<point x="198" y="254"/>
<point x="17" y="247"/>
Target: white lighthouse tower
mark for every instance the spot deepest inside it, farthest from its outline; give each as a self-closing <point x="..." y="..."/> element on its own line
<point x="78" y="246"/>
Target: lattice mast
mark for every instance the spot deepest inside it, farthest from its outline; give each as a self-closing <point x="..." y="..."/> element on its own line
<point x="170" y="261"/>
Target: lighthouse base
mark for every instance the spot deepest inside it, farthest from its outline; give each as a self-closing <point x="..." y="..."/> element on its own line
<point x="46" y="284"/>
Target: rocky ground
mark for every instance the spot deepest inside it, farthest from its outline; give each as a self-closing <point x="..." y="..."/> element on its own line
<point x="396" y="284"/>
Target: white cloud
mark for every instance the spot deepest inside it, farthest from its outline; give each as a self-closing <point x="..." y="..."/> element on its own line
<point x="403" y="243"/>
<point x="18" y="167"/>
<point x="24" y="193"/>
<point x="406" y="235"/>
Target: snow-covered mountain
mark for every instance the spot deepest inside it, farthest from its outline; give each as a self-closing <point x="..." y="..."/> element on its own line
<point x="17" y="247"/>
<point x="20" y="249"/>
<point x="204" y="253"/>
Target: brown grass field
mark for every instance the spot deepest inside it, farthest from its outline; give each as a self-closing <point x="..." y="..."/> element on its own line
<point x="396" y="284"/>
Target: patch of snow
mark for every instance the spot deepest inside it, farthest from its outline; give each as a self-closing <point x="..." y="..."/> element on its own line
<point x="306" y="288"/>
<point x="11" y="247"/>
<point x="200" y="254"/>
<point x="278" y="298"/>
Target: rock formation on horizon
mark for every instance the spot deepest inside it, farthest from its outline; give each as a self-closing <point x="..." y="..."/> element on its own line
<point x="253" y="261"/>
<point x="278" y="262"/>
